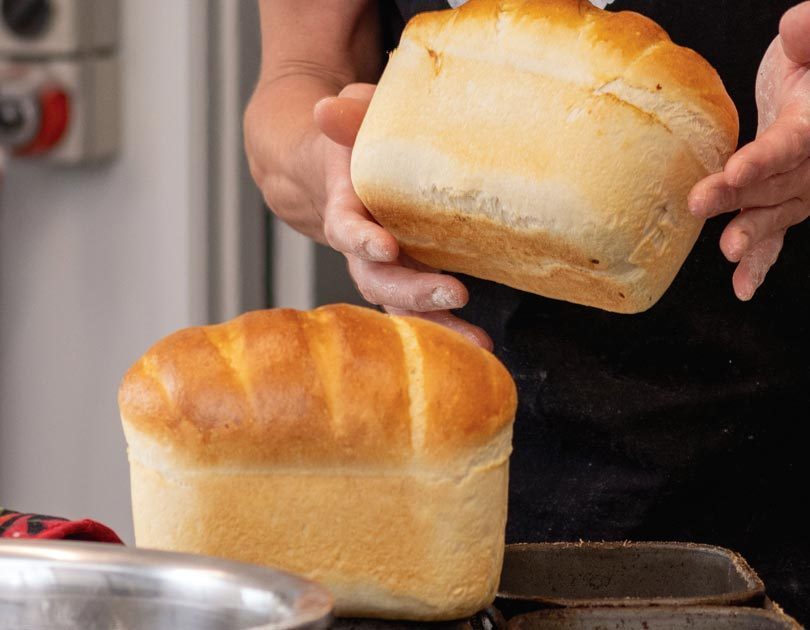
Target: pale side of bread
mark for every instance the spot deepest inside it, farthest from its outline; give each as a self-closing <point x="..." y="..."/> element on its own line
<point x="364" y="451"/>
<point x="544" y="144"/>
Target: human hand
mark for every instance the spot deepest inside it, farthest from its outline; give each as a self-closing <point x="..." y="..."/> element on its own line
<point x="770" y="177"/>
<point x="382" y="273"/>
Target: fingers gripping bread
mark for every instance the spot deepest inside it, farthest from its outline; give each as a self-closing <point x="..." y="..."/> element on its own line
<point x="544" y="144"/>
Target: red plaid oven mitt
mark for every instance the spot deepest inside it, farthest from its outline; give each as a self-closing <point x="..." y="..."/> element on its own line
<point x="17" y="525"/>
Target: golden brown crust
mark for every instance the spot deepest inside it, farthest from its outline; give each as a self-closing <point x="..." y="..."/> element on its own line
<point x="452" y="368"/>
<point x="326" y="388"/>
<point x="547" y="145"/>
<point x="623" y="43"/>
<point x="390" y="546"/>
<point x="367" y="452"/>
<point x="585" y="283"/>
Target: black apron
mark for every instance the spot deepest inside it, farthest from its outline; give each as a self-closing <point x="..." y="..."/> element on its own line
<point x="688" y="422"/>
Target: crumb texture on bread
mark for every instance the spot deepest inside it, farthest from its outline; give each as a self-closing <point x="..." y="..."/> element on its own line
<point x="544" y="144"/>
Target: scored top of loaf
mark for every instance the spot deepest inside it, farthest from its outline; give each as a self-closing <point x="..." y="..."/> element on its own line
<point x="620" y="54"/>
<point x="337" y="386"/>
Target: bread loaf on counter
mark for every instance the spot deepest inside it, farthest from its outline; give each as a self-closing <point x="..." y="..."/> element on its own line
<point x="544" y="144"/>
<point x="367" y="452"/>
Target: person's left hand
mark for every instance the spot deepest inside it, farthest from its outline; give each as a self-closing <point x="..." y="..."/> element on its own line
<point x="770" y="177"/>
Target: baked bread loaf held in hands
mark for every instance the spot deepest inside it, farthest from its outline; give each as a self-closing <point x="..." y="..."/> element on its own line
<point x="544" y="144"/>
<point x="367" y="452"/>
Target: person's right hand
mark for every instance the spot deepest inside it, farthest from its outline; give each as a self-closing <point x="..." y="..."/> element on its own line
<point x="382" y="273"/>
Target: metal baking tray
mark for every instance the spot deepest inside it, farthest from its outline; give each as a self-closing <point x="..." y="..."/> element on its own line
<point x="564" y="575"/>
<point x="60" y="585"/>
<point x="668" y="618"/>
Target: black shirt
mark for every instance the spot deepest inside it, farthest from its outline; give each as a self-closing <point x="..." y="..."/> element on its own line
<point x="687" y="422"/>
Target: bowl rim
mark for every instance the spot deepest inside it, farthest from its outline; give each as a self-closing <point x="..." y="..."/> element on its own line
<point x="312" y="604"/>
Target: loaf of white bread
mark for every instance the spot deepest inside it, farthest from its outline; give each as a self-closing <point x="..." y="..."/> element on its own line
<point x="367" y="452"/>
<point x="544" y="144"/>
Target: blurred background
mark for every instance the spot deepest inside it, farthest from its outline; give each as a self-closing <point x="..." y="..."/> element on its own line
<point x="131" y="214"/>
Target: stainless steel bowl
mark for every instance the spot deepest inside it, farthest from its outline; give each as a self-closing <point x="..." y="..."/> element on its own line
<point x="55" y="585"/>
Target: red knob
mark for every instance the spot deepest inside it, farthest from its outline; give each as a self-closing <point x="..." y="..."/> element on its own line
<point x="55" y="109"/>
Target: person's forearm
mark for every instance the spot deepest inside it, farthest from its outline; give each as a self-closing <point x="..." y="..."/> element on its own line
<point x="310" y="49"/>
<point x="284" y="145"/>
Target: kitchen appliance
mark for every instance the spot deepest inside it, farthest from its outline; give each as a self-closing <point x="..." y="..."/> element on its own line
<point x="59" y="80"/>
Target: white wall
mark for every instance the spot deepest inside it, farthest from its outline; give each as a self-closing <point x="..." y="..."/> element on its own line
<point x="95" y="265"/>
